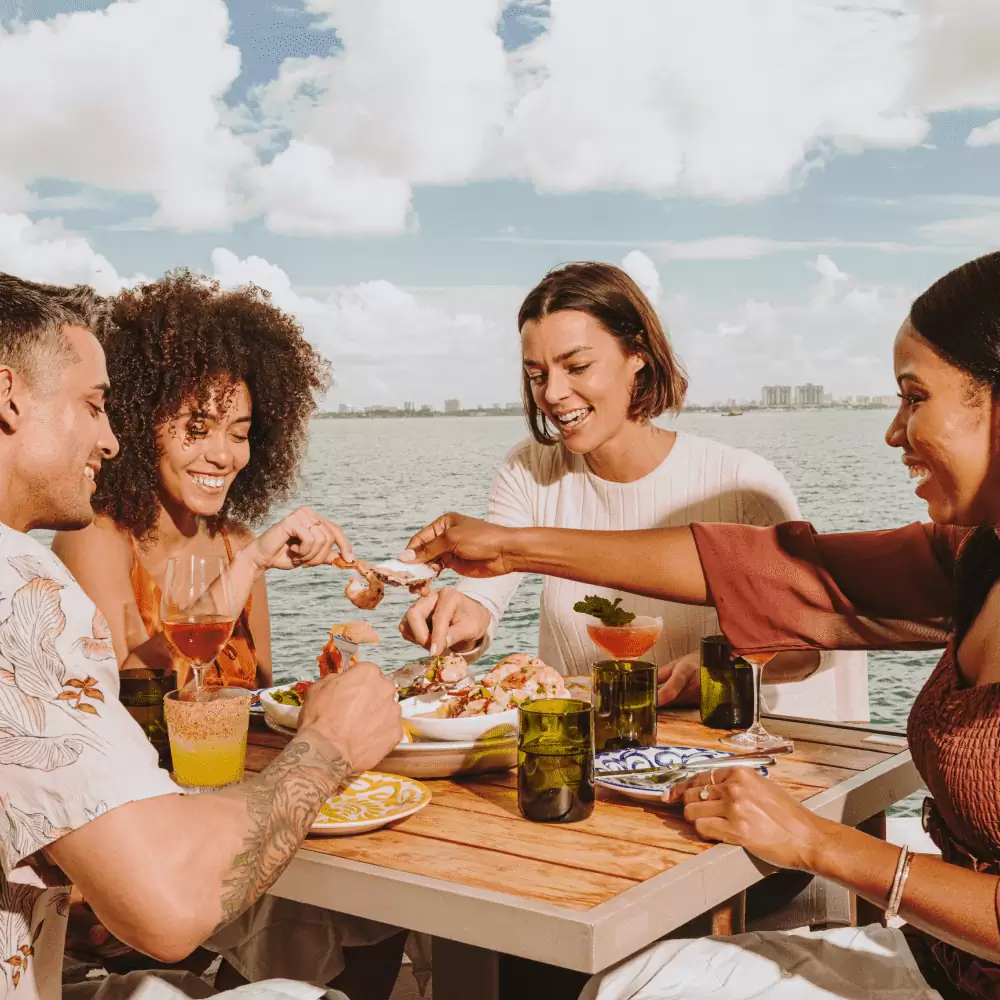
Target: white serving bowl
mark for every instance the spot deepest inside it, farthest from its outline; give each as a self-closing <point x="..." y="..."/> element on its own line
<point x="475" y="727"/>
<point x="285" y="715"/>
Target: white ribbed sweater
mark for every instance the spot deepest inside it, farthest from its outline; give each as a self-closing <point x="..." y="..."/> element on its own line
<point x="699" y="480"/>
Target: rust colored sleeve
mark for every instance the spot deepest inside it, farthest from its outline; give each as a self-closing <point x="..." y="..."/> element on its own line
<point x="789" y="587"/>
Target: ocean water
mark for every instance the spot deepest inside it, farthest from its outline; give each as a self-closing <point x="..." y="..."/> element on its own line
<point x="381" y="480"/>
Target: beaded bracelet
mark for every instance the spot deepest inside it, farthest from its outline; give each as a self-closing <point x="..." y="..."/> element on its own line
<point x="902" y="873"/>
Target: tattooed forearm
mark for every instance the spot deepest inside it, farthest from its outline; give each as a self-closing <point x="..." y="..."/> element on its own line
<point x="282" y="802"/>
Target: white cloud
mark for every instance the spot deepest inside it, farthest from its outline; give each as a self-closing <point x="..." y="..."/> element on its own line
<point x="839" y="335"/>
<point x="985" y="135"/>
<point x="982" y="230"/>
<point x="643" y="272"/>
<point x="418" y="92"/>
<point x="653" y="98"/>
<point x="45" y="251"/>
<point x="305" y="190"/>
<point x="127" y="99"/>
<point x="388" y="345"/>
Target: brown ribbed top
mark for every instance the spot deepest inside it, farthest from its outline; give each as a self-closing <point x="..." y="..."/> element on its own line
<point x="787" y="587"/>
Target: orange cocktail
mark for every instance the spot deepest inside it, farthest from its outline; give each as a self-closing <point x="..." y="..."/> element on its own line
<point x="626" y="642"/>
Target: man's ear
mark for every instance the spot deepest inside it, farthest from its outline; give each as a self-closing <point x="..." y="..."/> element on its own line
<point x="11" y="415"/>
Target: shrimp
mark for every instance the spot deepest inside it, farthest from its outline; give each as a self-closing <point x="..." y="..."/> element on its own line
<point x="366" y="591"/>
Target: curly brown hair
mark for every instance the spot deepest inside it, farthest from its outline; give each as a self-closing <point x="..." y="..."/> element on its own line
<point x="176" y="341"/>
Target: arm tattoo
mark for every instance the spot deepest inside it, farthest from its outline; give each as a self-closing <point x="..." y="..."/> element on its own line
<point x="282" y="802"/>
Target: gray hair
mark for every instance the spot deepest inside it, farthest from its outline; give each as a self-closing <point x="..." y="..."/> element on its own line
<point x="32" y="317"/>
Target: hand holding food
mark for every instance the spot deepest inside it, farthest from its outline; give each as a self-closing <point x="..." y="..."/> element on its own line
<point x="748" y="810"/>
<point x="465" y="544"/>
<point x="303" y="538"/>
<point x="357" y="712"/>
<point x="445" y="620"/>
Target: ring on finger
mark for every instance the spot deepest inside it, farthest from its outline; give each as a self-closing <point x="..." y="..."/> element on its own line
<point x="703" y="794"/>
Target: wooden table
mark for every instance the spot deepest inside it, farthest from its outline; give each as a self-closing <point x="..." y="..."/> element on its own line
<point x="469" y="871"/>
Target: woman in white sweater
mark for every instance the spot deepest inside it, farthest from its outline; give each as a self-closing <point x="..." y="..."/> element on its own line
<point x="597" y="369"/>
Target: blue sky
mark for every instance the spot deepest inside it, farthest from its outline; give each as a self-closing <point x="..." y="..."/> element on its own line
<point x="399" y="173"/>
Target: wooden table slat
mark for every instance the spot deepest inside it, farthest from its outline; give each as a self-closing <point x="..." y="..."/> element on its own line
<point x="572" y="848"/>
<point x="477" y="867"/>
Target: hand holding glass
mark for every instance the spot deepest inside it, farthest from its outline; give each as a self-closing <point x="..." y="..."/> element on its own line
<point x="198" y="610"/>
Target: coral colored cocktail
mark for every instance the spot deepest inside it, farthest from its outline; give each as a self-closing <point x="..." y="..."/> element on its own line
<point x="627" y="642"/>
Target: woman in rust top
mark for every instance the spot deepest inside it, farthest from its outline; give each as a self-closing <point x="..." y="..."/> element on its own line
<point x="787" y="587"/>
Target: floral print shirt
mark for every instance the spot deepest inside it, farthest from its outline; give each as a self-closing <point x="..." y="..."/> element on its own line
<point x="69" y="752"/>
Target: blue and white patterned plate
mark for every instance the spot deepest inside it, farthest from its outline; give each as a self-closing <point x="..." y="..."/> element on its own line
<point x="643" y="757"/>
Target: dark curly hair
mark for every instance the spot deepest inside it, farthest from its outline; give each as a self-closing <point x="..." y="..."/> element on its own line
<point x="175" y="341"/>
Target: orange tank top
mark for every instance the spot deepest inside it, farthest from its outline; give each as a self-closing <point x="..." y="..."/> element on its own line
<point x="235" y="666"/>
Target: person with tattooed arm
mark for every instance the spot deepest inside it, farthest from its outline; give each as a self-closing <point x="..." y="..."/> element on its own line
<point x="82" y="800"/>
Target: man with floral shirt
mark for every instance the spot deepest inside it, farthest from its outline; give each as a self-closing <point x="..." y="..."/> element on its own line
<point x="82" y="800"/>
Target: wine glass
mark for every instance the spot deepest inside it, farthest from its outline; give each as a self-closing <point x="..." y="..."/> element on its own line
<point x="198" y="610"/>
<point x="756" y="737"/>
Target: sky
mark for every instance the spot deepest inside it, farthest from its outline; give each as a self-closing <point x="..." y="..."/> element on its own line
<point x="781" y="177"/>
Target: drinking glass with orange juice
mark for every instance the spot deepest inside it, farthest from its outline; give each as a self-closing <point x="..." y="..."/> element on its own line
<point x="198" y="611"/>
<point x="624" y="687"/>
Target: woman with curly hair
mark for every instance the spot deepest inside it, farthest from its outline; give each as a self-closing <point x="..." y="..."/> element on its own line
<point x="213" y="391"/>
<point x="212" y="395"/>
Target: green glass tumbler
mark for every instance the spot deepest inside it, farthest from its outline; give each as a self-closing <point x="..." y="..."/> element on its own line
<point x="555" y="760"/>
<point x="726" y="686"/>
<point x="624" y="695"/>
<point x="141" y="691"/>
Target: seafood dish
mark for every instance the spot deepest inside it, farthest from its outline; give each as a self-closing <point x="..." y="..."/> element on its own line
<point x="438" y="673"/>
<point x="515" y="679"/>
<point x="331" y="657"/>
<point x="366" y="590"/>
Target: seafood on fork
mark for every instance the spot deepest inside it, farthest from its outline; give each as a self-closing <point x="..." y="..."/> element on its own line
<point x="330" y="659"/>
<point x="438" y="673"/>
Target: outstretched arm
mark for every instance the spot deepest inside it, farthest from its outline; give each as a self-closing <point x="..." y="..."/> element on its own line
<point x="783" y="587"/>
<point x="162" y="873"/>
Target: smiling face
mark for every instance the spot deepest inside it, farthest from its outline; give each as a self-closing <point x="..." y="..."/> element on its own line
<point x="580" y="377"/>
<point x="62" y="436"/>
<point x="203" y="449"/>
<point x="947" y="427"/>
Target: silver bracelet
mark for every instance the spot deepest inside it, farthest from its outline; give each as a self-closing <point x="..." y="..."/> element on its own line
<point x="902" y="873"/>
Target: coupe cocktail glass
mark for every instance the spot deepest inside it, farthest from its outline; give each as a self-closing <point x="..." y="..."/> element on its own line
<point x="756" y="737"/>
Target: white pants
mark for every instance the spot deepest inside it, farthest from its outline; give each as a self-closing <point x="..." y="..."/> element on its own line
<point x="851" y="963"/>
<point x="169" y="985"/>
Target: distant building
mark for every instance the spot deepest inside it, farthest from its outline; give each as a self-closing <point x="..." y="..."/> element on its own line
<point x="344" y="408"/>
<point x="452" y="406"/>
<point x="809" y="395"/>
<point x="828" y="399"/>
<point x="409" y="407"/>
<point x="776" y="395"/>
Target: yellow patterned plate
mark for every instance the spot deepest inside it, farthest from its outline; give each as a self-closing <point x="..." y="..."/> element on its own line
<point x="370" y="800"/>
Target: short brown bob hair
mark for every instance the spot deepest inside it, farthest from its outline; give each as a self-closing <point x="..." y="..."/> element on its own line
<point x="609" y="295"/>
